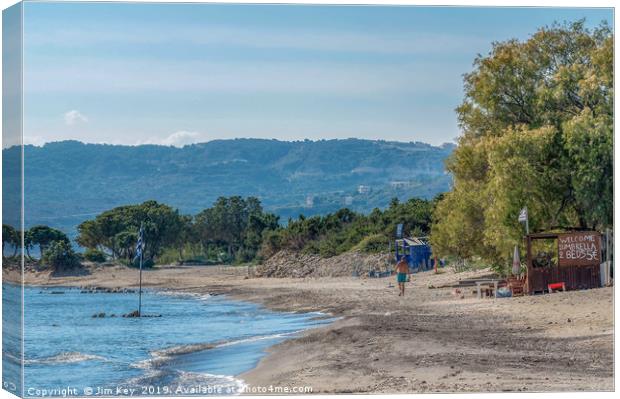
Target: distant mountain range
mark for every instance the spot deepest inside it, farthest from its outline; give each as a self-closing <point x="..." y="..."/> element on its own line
<point x="69" y="181"/>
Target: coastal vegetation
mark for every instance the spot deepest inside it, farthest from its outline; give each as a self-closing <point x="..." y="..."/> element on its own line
<point x="115" y="232"/>
<point x="537" y="122"/>
<point x="60" y="256"/>
<point x="344" y="230"/>
<point x="43" y="237"/>
<point x="10" y="238"/>
<point x="54" y="247"/>
<point x="238" y="230"/>
<point x="233" y="230"/>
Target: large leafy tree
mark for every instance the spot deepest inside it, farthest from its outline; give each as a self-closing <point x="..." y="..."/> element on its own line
<point x="186" y="233"/>
<point x="537" y="126"/>
<point x="236" y="224"/>
<point x="43" y="236"/>
<point x="116" y="231"/>
<point x="60" y="256"/>
<point x="11" y="237"/>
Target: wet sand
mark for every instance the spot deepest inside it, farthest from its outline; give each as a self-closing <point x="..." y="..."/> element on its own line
<point x="427" y="341"/>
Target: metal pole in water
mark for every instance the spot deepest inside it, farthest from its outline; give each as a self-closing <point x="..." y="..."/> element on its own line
<point x="140" y="290"/>
<point x="141" y="244"/>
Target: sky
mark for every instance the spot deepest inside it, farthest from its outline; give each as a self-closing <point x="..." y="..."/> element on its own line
<point x="176" y="74"/>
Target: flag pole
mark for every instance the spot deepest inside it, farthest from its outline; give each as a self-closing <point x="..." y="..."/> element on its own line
<point x="525" y="217"/>
<point x="140" y="284"/>
<point x="140" y="290"/>
<point x="527" y="222"/>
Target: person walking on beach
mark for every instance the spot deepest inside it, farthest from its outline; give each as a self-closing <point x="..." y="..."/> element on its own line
<point x="402" y="269"/>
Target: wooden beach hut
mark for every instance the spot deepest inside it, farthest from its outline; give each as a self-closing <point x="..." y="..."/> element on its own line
<point x="570" y="259"/>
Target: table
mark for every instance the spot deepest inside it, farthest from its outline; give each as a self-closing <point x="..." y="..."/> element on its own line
<point x="486" y="282"/>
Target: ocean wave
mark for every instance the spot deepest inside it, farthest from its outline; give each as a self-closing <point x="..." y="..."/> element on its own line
<point x="182" y="294"/>
<point x="9" y="356"/>
<point x="187" y="383"/>
<point x="160" y="358"/>
<point x="182" y="350"/>
<point x="194" y="380"/>
<point x="65" y="357"/>
<point x="257" y="338"/>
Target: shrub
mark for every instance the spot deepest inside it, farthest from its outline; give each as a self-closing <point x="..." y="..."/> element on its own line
<point x="94" y="255"/>
<point x="60" y="256"/>
<point x="329" y="248"/>
<point x="272" y="243"/>
<point x="169" y="256"/>
<point x="146" y="263"/>
<point x="245" y="255"/>
<point x="373" y="244"/>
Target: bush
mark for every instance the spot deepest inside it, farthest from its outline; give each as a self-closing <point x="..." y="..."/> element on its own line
<point x="328" y="248"/>
<point x="272" y="243"/>
<point x="94" y="255"/>
<point x="245" y="255"/>
<point x="373" y="244"/>
<point x="60" y="256"/>
<point x="169" y="256"/>
<point x="146" y="263"/>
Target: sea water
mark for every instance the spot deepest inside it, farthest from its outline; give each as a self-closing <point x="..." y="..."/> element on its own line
<point x="197" y="344"/>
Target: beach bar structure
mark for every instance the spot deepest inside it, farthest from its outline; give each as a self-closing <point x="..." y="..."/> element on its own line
<point x="575" y="263"/>
<point x="417" y="251"/>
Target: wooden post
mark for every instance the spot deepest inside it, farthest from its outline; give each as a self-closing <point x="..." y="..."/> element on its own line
<point x="529" y="263"/>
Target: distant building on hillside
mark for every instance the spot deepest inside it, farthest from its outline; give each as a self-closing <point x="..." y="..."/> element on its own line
<point x="362" y="189"/>
<point x="399" y="184"/>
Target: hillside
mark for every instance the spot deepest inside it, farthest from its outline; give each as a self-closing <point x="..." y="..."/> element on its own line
<point x="69" y="181"/>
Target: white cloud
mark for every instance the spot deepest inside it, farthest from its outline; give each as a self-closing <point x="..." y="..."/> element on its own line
<point x="181" y="138"/>
<point x="177" y="139"/>
<point x="36" y="141"/>
<point x="74" y="117"/>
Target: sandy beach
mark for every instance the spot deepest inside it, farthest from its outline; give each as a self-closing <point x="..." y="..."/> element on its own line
<point x="428" y="341"/>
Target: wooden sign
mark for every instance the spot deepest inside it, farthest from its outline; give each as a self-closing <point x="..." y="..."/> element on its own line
<point x="579" y="248"/>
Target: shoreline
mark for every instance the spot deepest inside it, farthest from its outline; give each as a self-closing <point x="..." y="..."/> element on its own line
<point x="40" y="280"/>
<point x="428" y="341"/>
<point x="165" y="353"/>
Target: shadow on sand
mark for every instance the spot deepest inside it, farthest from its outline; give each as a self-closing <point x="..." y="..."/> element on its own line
<point x="73" y="272"/>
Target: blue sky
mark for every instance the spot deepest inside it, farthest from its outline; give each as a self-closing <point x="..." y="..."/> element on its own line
<point x="180" y="73"/>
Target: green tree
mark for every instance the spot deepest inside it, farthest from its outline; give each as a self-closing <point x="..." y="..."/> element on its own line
<point x="94" y="255"/>
<point x="11" y="237"/>
<point x="43" y="236"/>
<point x="116" y="230"/>
<point x="271" y="243"/>
<point x="344" y="230"/>
<point x="186" y="233"/>
<point x="537" y="131"/>
<point x="236" y="224"/>
<point x="60" y="256"/>
<point x="125" y="244"/>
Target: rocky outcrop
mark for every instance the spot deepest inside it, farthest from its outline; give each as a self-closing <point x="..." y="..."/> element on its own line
<point x="292" y="264"/>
